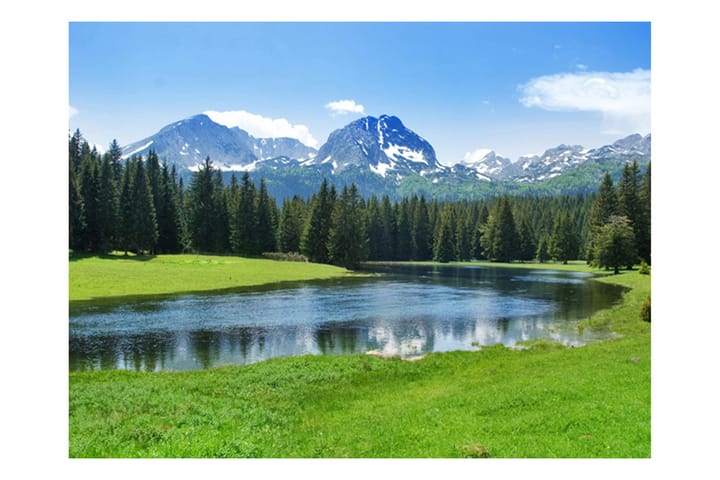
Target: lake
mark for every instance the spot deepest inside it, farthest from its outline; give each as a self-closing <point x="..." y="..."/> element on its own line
<point x="406" y="311"/>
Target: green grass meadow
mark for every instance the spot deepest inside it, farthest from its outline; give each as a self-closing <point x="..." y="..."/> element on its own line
<point x="107" y="277"/>
<point x="544" y="401"/>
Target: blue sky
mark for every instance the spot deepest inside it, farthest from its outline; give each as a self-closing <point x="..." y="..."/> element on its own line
<point x="516" y="88"/>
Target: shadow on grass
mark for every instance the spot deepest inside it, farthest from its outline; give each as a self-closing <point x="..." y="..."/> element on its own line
<point x="75" y="256"/>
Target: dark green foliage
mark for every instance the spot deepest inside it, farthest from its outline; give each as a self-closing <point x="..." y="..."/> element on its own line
<point x="266" y="221"/>
<point x="107" y="196"/>
<point x="643" y="233"/>
<point x="347" y="240"/>
<point x="76" y="205"/>
<point x="144" y="221"/>
<point x="528" y="245"/>
<point x="290" y="228"/>
<point x="201" y="208"/>
<point x="645" y="310"/>
<point x="444" y="248"/>
<point x="500" y="238"/>
<point x="543" y="254"/>
<point x="403" y="238"/>
<point x="564" y="242"/>
<point x="314" y="242"/>
<point x="615" y="244"/>
<point x="422" y="245"/>
<point x="108" y="208"/>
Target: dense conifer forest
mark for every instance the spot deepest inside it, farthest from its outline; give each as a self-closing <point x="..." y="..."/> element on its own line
<point x="141" y="205"/>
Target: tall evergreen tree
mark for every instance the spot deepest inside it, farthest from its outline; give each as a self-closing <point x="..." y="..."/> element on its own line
<point x="643" y="240"/>
<point x="108" y="207"/>
<point x="76" y="220"/>
<point x="389" y="229"/>
<point x="125" y="229"/>
<point x="168" y="217"/>
<point x="291" y="223"/>
<point x="500" y="238"/>
<point x="374" y="229"/>
<point x="347" y="240"/>
<point x="564" y="242"/>
<point x="615" y="244"/>
<point x="201" y="197"/>
<point x="266" y="220"/>
<point x="403" y="238"/>
<point x="144" y="218"/>
<point x="422" y="245"/>
<point x="115" y="154"/>
<point x="444" y="247"/>
<point x="90" y="191"/>
<point x="314" y="242"/>
<point x="463" y="238"/>
<point x="528" y="245"/>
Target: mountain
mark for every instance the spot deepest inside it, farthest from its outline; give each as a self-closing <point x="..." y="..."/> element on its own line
<point x="383" y="145"/>
<point x="383" y="156"/>
<point x="188" y="142"/>
<point x="559" y="160"/>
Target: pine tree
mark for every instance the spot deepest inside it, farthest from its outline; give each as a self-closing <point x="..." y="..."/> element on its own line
<point x="463" y="238"/>
<point x="528" y="245"/>
<point x="90" y="190"/>
<point x="500" y="237"/>
<point x="403" y="238"/>
<point x="347" y="240"/>
<point x="108" y="207"/>
<point x="266" y="220"/>
<point x="615" y="244"/>
<point x="125" y="229"/>
<point x="422" y="243"/>
<point x="389" y="230"/>
<point x="542" y="254"/>
<point x="76" y="206"/>
<point x="564" y="242"/>
<point x="314" y="242"/>
<point x="144" y="218"/>
<point x="291" y="223"/>
<point x="201" y="215"/>
<point x="374" y="228"/>
<point x="444" y="248"/>
<point x="115" y="154"/>
<point x="169" y="221"/>
<point x="643" y="240"/>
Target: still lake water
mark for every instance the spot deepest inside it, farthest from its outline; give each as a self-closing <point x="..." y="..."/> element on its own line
<point x="408" y="311"/>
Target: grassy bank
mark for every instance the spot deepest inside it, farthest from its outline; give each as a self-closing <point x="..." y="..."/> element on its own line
<point x="116" y="276"/>
<point x="546" y="401"/>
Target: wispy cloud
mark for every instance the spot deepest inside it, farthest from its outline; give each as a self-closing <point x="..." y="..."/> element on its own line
<point x="622" y="98"/>
<point x="343" y="107"/>
<point x="72" y="111"/>
<point x="263" y="127"/>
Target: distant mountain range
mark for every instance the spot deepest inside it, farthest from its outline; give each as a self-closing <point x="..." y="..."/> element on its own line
<point x="383" y="156"/>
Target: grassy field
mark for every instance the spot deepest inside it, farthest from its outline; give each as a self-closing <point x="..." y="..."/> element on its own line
<point x="117" y="277"/>
<point x="545" y="401"/>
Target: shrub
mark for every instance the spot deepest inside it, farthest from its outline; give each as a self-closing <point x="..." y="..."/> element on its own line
<point x="645" y="310"/>
<point x="285" y="257"/>
<point x="644" y="268"/>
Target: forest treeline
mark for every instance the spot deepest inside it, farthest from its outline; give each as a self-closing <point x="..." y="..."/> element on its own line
<point x="142" y="206"/>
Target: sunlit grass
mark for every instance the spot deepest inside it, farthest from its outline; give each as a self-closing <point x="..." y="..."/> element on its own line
<point x="546" y="401"/>
<point x="113" y="276"/>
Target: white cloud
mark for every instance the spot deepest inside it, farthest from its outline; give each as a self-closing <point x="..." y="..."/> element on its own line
<point x="263" y="127"/>
<point x="72" y="111"/>
<point x="622" y="98"/>
<point x="342" y="107"/>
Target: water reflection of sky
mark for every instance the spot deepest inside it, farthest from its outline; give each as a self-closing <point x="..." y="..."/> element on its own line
<point x="401" y="315"/>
